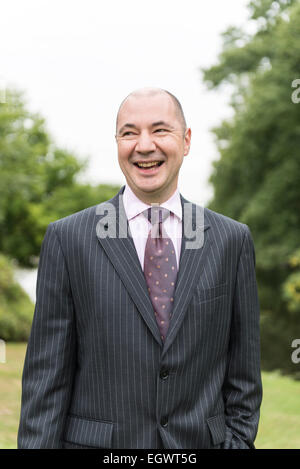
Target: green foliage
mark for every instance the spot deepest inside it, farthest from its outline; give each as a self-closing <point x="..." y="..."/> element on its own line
<point x="16" y="309"/>
<point x="37" y="181"/>
<point x="256" y="179"/>
<point x="268" y="9"/>
<point x="37" y="186"/>
<point x="64" y="202"/>
<point x="31" y="169"/>
<point x="291" y="287"/>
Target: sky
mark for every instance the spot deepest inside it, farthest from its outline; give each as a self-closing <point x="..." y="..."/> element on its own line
<point x="76" y="61"/>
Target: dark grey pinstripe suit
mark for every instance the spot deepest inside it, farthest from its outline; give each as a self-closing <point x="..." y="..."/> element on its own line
<point x="96" y="373"/>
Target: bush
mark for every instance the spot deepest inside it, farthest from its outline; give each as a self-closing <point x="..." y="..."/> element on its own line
<point x="16" y="308"/>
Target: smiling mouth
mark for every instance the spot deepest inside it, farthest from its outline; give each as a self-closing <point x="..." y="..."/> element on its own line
<point x="149" y="165"/>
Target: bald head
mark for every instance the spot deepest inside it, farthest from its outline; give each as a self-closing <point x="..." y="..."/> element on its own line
<point x="148" y="92"/>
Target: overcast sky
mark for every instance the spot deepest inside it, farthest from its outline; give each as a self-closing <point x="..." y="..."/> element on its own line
<point x="76" y="61"/>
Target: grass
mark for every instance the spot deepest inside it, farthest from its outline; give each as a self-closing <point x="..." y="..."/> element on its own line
<point x="280" y="413"/>
<point x="10" y="394"/>
<point x="279" y="426"/>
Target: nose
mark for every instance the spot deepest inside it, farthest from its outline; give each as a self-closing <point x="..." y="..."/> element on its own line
<point x="145" y="143"/>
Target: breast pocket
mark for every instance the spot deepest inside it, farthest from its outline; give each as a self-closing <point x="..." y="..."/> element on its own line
<point x="209" y="319"/>
<point x="208" y="294"/>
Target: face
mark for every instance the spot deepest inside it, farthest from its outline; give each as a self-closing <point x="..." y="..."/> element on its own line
<point x="149" y="131"/>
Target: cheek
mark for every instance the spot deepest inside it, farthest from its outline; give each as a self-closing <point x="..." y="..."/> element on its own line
<point x="125" y="149"/>
<point x="172" y="147"/>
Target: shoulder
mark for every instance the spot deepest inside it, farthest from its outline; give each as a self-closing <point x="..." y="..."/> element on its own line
<point x="81" y="225"/>
<point x="223" y="224"/>
<point x="214" y="220"/>
<point x="76" y="220"/>
<point x="229" y="233"/>
<point x="219" y="225"/>
<point x="87" y="217"/>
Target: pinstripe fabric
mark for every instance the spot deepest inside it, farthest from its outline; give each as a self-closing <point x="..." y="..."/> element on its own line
<point x="93" y="368"/>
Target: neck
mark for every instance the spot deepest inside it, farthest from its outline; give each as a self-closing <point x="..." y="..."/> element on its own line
<point x="154" y="198"/>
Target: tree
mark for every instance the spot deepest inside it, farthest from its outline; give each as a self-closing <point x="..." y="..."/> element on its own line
<point x="38" y="181"/>
<point x="256" y="179"/>
<point x="38" y="184"/>
<point x="16" y="308"/>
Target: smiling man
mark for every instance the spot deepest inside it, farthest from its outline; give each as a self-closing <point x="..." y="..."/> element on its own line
<point x="152" y="141"/>
<point x="138" y="339"/>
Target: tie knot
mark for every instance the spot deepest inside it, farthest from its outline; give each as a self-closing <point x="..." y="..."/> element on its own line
<point x="156" y="215"/>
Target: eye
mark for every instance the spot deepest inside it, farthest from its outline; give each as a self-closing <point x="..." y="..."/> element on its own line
<point x="160" y="130"/>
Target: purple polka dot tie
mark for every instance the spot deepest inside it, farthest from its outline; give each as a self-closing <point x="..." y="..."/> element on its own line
<point x="160" y="268"/>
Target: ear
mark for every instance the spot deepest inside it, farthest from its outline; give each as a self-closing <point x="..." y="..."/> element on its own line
<point x="187" y="141"/>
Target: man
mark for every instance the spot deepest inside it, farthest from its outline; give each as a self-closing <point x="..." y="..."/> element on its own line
<point x="140" y="338"/>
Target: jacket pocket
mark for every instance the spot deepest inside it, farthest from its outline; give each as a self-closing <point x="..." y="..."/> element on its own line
<point x="88" y="433"/>
<point x="217" y="428"/>
<point x="206" y="294"/>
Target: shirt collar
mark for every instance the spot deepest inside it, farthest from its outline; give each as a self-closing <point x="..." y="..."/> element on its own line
<point x="134" y="206"/>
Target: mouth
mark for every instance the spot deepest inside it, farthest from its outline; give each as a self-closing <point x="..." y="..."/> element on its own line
<point x="149" y="166"/>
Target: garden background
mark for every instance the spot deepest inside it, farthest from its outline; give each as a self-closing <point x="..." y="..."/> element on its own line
<point x="254" y="177"/>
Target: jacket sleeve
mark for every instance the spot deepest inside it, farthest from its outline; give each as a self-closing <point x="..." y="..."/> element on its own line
<point x="51" y="353"/>
<point x="242" y="391"/>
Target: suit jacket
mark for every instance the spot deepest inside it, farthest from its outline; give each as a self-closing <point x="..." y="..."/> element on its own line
<point x="96" y="373"/>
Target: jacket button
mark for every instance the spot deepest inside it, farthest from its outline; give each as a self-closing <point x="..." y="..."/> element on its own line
<point x="164" y="422"/>
<point x="164" y="374"/>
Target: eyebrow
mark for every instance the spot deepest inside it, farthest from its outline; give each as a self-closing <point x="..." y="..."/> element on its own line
<point x="154" y="124"/>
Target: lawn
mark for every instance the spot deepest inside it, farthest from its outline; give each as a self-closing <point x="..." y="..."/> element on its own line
<point x="280" y="412"/>
<point x="10" y="394"/>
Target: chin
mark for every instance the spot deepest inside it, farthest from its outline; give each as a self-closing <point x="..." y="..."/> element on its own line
<point x="149" y="188"/>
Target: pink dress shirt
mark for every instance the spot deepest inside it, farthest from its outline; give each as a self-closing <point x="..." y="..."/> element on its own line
<point x="140" y="226"/>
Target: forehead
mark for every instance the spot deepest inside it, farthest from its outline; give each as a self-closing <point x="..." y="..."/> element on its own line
<point x="143" y="110"/>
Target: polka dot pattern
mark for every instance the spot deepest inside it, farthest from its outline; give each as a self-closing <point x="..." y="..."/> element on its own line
<point x="160" y="269"/>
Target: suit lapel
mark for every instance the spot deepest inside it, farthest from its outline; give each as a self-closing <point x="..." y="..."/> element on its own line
<point x="120" y="249"/>
<point x="193" y="258"/>
<point x="122" y="253"/>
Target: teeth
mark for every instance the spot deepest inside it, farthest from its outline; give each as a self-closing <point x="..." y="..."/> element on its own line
<point x="147" y="165"/>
